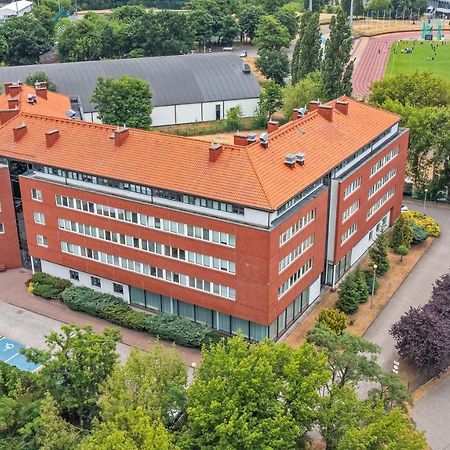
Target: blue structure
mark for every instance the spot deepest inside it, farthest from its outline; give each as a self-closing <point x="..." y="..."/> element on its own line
<point x="10" y="354"/>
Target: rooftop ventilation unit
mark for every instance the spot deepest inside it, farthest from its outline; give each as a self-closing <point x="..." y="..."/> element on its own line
<point x="71" y="114"/>
<point x="290" y="159"/>
<point x="251" y="137"/>
<point x="31" y="98"/>
<point x="300" y="157"/>
<point x="264" y="139"/>
<point x="245" y="68"/>
<point x="302" y="111"/>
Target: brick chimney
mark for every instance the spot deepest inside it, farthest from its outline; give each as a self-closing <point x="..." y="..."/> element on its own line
<point x="19" y="132"/>
<point x="326" y="112"/>
<point x="295" y="114"/>
<point x="120" y="135"/>
<point x="41" y="90"/>
<point x="313" y="105"/>
<point x="214" y="151"/>
<point x="51" y="137"/>
<point x="240" y="139"/>
<point x="341" y="106"/>
<point x="6" y="87"/>
<point x="13" y="103"/>
<point x="8" y="114"/>
<point x="272" y="125"/>
<point x="14" y="89"/>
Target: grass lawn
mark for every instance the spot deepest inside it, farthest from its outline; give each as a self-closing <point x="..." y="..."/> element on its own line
<point x="418" y="60"/>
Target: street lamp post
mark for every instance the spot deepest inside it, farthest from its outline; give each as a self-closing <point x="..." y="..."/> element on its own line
<point x="351" y="15"/>
<point x="375" y="267"/>
<point x="425" y="202"/>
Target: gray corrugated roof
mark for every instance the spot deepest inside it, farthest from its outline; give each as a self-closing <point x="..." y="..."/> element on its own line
<point x="174" y="80"/>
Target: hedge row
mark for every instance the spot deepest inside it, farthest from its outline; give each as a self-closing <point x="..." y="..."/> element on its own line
<point x="166" y="326"/>
<point x="47" y="286"/>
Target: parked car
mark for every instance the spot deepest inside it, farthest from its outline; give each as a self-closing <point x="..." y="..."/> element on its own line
<point x="243" y="53"/>
<point x="404" y="208"/>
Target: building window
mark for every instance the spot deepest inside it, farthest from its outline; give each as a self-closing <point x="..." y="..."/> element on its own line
<point x="352" y="187"/>
<point x="389" y="194"/>
<point x="36" y="194"/>
<point x="380" y="183"/>
<point x="118" y="288"/>
<point x="39" y="218"/>
<point x="41" y="240"/>
<point x="74" y="275"/>
<point x="294" y="254"/>
<point x="350" y="211"/>
<point x="2" y="228"/>
<point x="297" y="227"/>
<point x="95" y="281"/>
<point x="383" y="161"/>
<point x="295" y="278"/>
<point x="349" y="232"/>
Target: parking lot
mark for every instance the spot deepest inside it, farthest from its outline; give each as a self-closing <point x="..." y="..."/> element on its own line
<point x="10" y="354"/>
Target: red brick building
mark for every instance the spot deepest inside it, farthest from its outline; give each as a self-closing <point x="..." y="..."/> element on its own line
<point x="239" y="237"/>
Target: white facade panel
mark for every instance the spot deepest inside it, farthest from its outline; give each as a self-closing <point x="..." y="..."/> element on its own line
<point x="163" y="115"/>
<point x="84" y="279"/>
<point x="188" y="113"/>
<point x="248" y="106"/>
<point x="209" y="110"/>
<point x="331" y="238"/>
<point x="314" y="290"/>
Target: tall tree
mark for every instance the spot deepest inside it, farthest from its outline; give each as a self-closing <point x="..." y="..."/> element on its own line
<point x="76" y="363"/>
<point x="273" y="64"/>
<point x="402" y="233"/>
<point x="270" y="99"/>
<point x="126" y="100"/>
<point x="306" y="57"/>
<point x="271" y="34"/>
<point x="378" y="254"/>
<point x="289" y="20"/>
<point x="153" y="381"/>
<point x="249" y="20"/>
<point x="337" y="68"/>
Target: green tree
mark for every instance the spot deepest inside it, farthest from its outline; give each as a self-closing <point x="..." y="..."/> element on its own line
<point x="129" y="430"/>
<point x="234" y="401"/>
<point x="54" y="433"/>
<point x="391" y="431"/>
<point x="337" y="68"/>
<point x="306" y="57"/>
<point x="270" y="99"/>
<point x="418" y="89"/>
<point x="229" y="30"/>
<point x="298" y="95"/>
<point x="3" y="48"/>
<point x="378" y="254"/>
<point x="26" y="40"/>
<point x="74" y="366"/>
<point x="378" y="5"/>
<point x="153" y="381"/>
<point x="402" y="250"/>
<point x="361" y="286"/>
<point x="41" y="76"/>
<point x="233" y="118"/>
<point x="334" y="319"/>
<point x="126" y="100"/>
<point x="271" y="34"/>
<point x="349" y="296"/>
<point x="202" y="23"/>
<point x="273" y="64"/>
<point x="402" y="233"/>
<point x="289" y="20"/>
<point x="249" y="20"/>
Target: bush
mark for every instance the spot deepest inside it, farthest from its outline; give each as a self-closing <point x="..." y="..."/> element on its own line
<point x="361" y="286"/>
<point x="402" y="233"/>
<point x="419" y="234"/>
<point x="423" y="221"/>
<point x="402" y="250"/>
<point x="234" y="118"/>
<point x="333" y="319"/>
<point x="378" y="254"/>
<point x="368" y="275"/>
<point x="177" y="329"/>
<point x="47" y="286"/>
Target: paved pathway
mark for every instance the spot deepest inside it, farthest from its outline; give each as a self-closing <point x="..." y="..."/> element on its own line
<point x="27" y="319"/>
<point x="432" y="413"/>
<point x="373" y="61"/>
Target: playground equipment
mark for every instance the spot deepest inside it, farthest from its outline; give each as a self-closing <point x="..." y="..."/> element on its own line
<point x="428" y="29"/>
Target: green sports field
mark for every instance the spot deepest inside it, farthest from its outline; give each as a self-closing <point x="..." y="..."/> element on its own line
<point x="421" y="59"/>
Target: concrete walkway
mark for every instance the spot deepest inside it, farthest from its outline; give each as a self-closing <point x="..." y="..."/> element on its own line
<point x="28" y="318"/>
<point x="432" y="413"/>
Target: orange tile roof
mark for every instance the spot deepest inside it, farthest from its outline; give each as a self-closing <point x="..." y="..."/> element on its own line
<point x="54" y="105"/>
<point x="250" y="175"/>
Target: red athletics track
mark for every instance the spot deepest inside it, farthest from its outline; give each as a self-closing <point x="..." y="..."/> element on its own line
<point x="373" y="62"/>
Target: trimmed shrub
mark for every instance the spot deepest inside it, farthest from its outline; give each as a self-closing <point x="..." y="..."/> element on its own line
<point x="368" y="275"/>
<point x="105" y="306"/>
<point x="423" y="221"/>
<point x="178" y="329"/>
<point x="419" y="234"/>
<point x="402" y="250"/>
<point x="47" y="286"/>
<point x="334" y="319"/>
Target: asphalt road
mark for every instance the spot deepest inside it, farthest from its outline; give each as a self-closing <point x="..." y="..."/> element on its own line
<point x="432" y="413"/>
